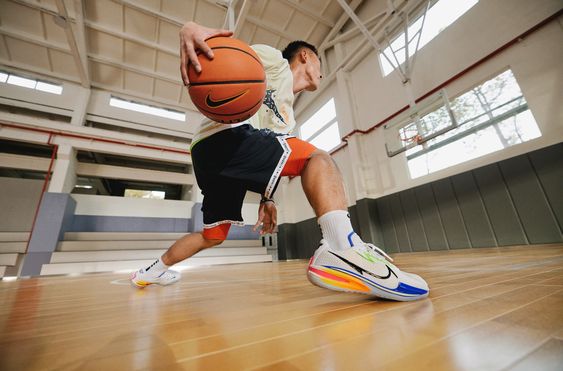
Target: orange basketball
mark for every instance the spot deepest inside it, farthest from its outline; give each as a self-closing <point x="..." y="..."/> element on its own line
<point x="231" y="86"/>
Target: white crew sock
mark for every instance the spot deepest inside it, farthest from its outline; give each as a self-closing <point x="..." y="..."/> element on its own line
<point x="157" y="268"/>
<point x="337" y="230"/>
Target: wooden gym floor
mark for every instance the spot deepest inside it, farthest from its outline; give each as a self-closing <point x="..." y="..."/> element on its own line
<point x="489" y="309"/>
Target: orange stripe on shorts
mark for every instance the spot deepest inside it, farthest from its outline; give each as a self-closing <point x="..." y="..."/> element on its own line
<point x="300" y="153"/>
<point x="218" y="232"/>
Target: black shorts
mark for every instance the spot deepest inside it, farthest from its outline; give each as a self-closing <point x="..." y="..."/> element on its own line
<point x="233" y="161"/>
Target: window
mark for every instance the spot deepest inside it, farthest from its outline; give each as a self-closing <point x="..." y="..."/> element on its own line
<point x="25" y="82"/>
<point x="439" y="16"/>
<point x="321" y="129"/>
<point x="151" y="110"/>
<point x="135" y="193"/>
<point x="488" y="118"/>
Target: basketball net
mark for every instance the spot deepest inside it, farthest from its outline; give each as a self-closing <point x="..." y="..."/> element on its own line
<point x="407" y="139"/>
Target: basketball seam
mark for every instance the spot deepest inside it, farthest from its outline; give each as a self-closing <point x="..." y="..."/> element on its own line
<point x="244" y="51"/>
<point x="226" y="82"/>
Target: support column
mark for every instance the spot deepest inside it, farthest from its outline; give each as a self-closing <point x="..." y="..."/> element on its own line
<point x="197" y="196"/>
<point x="55" y="217"/>
<point x="196" y="221"/>
<point x="81" y="107"/>
<point x="348" y="120"/>
<point x="63" y="179"/>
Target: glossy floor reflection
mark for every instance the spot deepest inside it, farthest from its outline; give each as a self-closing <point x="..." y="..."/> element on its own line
<point x="488" y="309"/>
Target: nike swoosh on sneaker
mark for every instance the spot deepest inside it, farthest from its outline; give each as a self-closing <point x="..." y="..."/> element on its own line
<point x="218" y="103"/>
<point x="361" y="270"/>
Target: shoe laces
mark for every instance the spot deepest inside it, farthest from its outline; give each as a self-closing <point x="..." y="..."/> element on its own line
<point x="378" y="250"/>
<point x="168" y="274"/>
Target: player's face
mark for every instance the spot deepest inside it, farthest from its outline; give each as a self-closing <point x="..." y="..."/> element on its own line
<point x="313" y="69"/>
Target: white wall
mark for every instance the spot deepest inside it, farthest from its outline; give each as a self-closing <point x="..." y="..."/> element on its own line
<point x="128" y="206"/>
<point x="536" y="63"/>
<point x="138" y="207"/>
<point x="18" y="202"/>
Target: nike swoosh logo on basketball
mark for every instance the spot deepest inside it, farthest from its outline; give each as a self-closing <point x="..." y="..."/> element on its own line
<point x="361" y="270"/>
<point x="218" y="103"/>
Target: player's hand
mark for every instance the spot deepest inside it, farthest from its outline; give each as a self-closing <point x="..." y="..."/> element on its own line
<point x="192" y="38"/>
<point x="267" y="217"/>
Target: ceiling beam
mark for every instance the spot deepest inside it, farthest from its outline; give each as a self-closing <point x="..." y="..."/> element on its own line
<point x="77" y="45"/>
<point x="81" y="32"/>
<point x="268" y="27"/>
<point x="323" y="46"/>
<point x="243" y="13"/>
<point x="353" y="32"/>
<point x="45" y="8"/>
<point x="23" y="36"/>
<point x="128" y="37"/>
<point x="93" y="57"/>
<point x="310" y="13"/>
<point x="339" y="24"/>
<point x="143" y="9"/>
<point x="179" y="22"/>
<point x="130" y="68"/>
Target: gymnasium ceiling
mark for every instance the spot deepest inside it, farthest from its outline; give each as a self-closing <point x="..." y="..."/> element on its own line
<point x="130" y="47"/>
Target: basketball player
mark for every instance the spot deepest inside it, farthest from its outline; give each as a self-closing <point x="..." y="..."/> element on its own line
<point x="231" y="159"/>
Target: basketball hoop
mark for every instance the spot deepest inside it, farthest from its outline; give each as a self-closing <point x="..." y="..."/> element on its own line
<point x="416" y="138"/>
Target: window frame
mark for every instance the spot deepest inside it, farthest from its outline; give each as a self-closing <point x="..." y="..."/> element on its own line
<point x="512" y="112"/>
<point x="323" y="128"/>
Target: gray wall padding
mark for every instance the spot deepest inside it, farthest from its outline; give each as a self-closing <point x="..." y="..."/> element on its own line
<point x="99" y="223"/>
<point x="518" y="201"/>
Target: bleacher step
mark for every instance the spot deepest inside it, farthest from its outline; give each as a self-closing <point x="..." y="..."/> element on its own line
<point x="95" y="245"/>
<point x="119" y="255"/>
<point x="14" y="236"/>
<point x="111" y="266"/>
<point x="12" y="247"/>
<point x="8" y="259"/>
<point x="125" y="236"/>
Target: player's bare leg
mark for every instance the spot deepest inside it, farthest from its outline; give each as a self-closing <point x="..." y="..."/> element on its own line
<point x="187" y="246"/>
<point x="158" y="271"/>
<point x="344" y="262"/>
<point x="323" y="184"/>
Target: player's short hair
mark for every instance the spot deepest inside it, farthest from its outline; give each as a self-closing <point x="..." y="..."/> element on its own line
<point x="293" y="48"/>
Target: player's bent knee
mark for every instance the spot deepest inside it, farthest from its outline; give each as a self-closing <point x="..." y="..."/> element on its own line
<point x="212" y="242"/>
<point x="215" y="235"/>
<point x="320" y="157"/>
<point x="320" y="153"/>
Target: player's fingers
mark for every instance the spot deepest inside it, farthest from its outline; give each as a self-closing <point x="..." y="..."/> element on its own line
<point x="264" y="227"/>
<point x="268" y="227"/>
<point x="184" y="66"/>
<point x="258" y="222"/>
<point x="202" y="45"/>
<point x="223" y="32"/>
<point x="192" y="55"/>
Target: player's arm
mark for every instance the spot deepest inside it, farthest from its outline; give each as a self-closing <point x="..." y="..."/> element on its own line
<point x="192" y="38"/>
<point x="267" y="216"/>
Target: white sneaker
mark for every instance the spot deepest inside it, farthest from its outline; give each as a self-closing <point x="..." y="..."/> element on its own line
<point x="142" y="279"/>
<point x="364" y="269"/>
